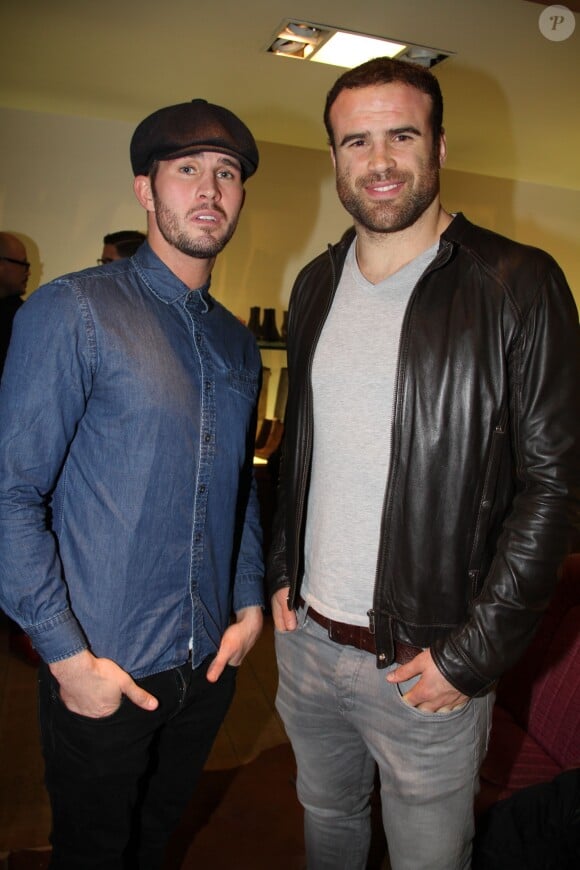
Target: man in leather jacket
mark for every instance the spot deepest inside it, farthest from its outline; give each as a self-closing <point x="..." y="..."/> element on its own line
<point x="429" y="485"/>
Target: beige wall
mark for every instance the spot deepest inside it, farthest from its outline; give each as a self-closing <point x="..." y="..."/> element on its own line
<point x="547" y="217"/>
<point x="66" y="181"/>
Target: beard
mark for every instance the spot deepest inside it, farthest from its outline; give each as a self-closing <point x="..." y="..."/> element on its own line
<point x="389" y="216"/>
<point x="204" y="246"/>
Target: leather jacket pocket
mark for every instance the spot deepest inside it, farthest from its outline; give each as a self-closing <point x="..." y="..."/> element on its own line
<point x="487" y="501"/>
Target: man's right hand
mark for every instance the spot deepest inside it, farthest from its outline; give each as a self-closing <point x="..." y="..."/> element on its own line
<point x="94" y="687"/>
<point x="284" y="619"/>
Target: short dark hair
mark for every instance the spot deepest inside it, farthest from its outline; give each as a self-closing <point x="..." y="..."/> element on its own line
<point x="129" y="247"/>
<point x="124" y="236"/>
<point x="383" y="71"/>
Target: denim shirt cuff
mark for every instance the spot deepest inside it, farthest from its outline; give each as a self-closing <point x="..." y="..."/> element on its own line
<point x="57" y="638"/>
<point x="248" y="591"/>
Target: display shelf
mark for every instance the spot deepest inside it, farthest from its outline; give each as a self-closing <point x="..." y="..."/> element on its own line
<point x="271" y="345"/>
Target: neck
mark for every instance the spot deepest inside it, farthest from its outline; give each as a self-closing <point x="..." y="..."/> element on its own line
<point x="380" y="255"/>
<point x="193" y="271"/>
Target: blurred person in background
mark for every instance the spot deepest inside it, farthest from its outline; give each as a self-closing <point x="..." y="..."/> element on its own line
<point x="119" y="245"/>
<point x="14" y="272"/>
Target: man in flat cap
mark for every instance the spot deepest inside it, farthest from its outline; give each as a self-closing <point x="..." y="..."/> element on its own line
<point x="130" y="546"/>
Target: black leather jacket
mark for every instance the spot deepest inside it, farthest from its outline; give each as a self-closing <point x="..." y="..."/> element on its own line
<point x="483" y="495"/>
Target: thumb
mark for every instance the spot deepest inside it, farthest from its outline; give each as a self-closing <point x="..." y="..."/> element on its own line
<point x="289" y="619"/>
<point x="400" y="674"/>
<point x="411" y="669"/>
<point x="138" y="696"/>
<point x="284" y="619"/>
<point x="217" y="666"/>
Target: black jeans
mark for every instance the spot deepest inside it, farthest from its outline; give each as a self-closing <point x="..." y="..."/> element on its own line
<point x="119" y="785"/>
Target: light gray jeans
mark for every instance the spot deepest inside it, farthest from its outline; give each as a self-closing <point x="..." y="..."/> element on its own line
<point x="342" y="718"/>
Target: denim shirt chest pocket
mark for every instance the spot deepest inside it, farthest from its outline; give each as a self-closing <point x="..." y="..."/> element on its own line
<point x="237" y="409"/>
<point x="244" y="382"/>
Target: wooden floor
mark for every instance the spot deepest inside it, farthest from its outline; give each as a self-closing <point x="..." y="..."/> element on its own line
<point x="251" y="727"/>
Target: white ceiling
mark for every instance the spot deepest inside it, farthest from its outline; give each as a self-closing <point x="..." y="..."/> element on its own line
<point x="511" y="95"/>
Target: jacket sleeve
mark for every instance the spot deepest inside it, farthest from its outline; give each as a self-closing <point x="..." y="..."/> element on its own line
<point x="277" y="571"/>
<point x="542" y="525"/>
<point x="45" y="383"/>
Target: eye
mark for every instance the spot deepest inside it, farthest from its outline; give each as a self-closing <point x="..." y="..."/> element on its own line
<point x="407" y="135"/>
<point x="229" y="171"/>
<point x="357" y="143"/>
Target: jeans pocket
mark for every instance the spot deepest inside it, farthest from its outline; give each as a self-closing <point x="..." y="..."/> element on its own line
<point x="96" y="719"/>
<point x="407" y="685"/>
<point x="61" y="708"/>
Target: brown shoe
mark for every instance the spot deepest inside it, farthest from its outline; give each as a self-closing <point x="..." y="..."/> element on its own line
<point x="273" y="442"/>
<point x="263" y="433"/>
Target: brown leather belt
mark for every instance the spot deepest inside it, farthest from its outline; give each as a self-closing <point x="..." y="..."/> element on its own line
<point x="359" y="636"/>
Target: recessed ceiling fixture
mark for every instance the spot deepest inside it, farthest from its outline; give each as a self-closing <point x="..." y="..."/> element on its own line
<point x="326" y="44"/>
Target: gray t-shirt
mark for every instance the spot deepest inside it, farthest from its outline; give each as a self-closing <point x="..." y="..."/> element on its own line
<point x="353" y="380"/>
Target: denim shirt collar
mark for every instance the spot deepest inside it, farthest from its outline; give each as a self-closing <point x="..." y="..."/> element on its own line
<point x="163" y="282"/>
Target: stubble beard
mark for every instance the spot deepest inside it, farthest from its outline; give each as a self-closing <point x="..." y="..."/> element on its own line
<point x="202" y="247"/>
<point x="389" y="216"/>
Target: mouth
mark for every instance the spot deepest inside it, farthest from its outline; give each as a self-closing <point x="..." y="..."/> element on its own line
<point x="384" y="188"/>
<point x="208" y="217"/>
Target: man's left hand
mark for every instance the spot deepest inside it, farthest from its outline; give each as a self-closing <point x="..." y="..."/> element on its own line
<point x="432" y="693"/>
<point x="238" y="640"/>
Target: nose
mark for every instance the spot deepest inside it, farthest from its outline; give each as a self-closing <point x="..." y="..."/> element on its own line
<point x="208" y="186"/>
<point x="381" y="157"/>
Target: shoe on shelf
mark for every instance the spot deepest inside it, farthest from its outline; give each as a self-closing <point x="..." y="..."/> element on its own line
<point x="263" y="433"/>
<point x="273" y="440"/>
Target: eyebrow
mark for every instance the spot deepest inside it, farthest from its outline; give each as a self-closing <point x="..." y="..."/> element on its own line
<point x="230" y="161"/>
<point x="224" y="159"/>
<point x="394" y="131"/>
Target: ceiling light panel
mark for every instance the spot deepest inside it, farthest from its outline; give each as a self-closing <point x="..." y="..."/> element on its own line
<point x="324" y="43"/>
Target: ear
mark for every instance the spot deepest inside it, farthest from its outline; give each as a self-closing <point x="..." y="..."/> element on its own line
<point x="442" y="149"/>
<point x="333" y="156"/>
<point x="143" y="192"/>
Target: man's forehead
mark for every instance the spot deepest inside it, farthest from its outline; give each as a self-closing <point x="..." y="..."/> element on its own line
<point x="381" y="99"/>
<point x="12" y="247"/>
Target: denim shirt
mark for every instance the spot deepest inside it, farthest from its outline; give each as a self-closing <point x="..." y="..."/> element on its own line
<point x="129" y="522"/>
